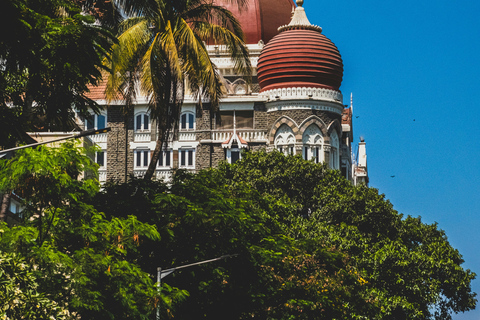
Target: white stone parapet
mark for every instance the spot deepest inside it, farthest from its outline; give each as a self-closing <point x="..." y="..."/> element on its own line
<point x="165" y="175"/>
<point x="247" y="135"/>
<point x="99" y="138"/>
<point x="143" y="136"/>
<point x="187" y="136"/>
<point x="102" y="176"/>
<point x="227" y="62"/>
<point x="304" y="93"/>
<point x="160" y="174"/>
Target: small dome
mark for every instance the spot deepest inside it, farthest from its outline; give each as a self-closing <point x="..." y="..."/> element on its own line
<point x="300" y="56"/>
<point x="261" y="18"/>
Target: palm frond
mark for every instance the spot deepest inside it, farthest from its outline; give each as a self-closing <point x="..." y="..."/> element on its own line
<point x="234" y="45"/>
<point x="201" y="72"/>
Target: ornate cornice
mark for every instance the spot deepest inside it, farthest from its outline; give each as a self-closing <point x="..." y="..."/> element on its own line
<point x="303" y="105"/>
<point x="304" y="93"/>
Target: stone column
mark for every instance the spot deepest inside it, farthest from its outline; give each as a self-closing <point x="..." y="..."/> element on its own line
<point x="119" y="155"/>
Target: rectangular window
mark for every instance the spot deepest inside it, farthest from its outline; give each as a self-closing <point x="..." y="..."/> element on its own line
<point x="101" y="122"/>
<point x="101" y="158"/>
<point x="190" y="121"/>
<point x="139" y="158"/>
<point x="243" y="119"/>
<point x="160" y="160"/>
<point x="142" y="158"/>
<point x="90" y="122"/>
<point x="187" y="157"/>
<point x="190" y="158"/>
<point x="167" y="158"/>
<point x="139" y="122"/>
<point x="146" y="122"/>
<point x="145" y="158"/>
<point x="183" y="121"/>
<point x="182" y="158"/>
<point x="164" y="159"/>
<point x="235" y="156"/>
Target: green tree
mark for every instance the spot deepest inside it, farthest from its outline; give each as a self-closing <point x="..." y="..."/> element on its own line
<point x="80" y="261"/>
<point x="161" y="47"/>
<point x="409" y="269"/>
<point x="204" y="216"/>
<point x="48" y="57"/>
<point x="311" y="245"/>
<point x="19" y="295"/>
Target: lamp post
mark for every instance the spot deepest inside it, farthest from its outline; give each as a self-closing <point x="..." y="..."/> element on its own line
<point x="77" y="135"/>
<point x="163" y="273"/>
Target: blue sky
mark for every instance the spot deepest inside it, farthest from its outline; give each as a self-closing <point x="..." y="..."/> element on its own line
<point x="414" y="70"/>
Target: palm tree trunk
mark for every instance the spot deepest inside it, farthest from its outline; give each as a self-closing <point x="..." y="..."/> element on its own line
<point x="5" y="204"/>
<point x="156" y="155"/>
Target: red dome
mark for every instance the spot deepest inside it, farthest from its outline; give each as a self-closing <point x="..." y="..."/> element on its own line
<point x="300" y="57"/>
<point x="262" y="18"/>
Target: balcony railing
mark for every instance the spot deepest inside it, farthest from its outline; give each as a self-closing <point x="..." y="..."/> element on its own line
<point x="102" y="176"/>
<point x="160" y="174"/>
<point x="99" y="138"/>
<point x="187" y="136"/>
<point x="247" y="135"/>
<point x="142" y="136"/>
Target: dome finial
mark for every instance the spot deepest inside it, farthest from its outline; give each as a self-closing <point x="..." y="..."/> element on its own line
<point x="299" y="20"/>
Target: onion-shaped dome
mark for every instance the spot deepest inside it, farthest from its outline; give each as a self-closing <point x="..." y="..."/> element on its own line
<point x="261" y="18"/>
<point x="300" y="56"/>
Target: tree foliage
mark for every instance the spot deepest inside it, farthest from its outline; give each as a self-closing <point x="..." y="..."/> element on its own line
<point x="48" y="57"/>
<point x="311" y="245"/>
<point x="78" y="260"/>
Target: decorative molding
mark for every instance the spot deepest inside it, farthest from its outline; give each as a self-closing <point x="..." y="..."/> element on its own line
<point x="304" y="93"/>
<point x="302" y="105"/>
<point x="228" y="62"/>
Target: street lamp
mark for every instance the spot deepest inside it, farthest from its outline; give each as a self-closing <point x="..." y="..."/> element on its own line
<point x="163" y="273"/>
<point x="75" y="135"/>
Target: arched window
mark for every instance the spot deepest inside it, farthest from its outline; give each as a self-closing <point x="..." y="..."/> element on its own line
<point x="187" y="121"/>
<point x="96" y="121"/>
<point x="313" y="144"/>
<point x="285" y="140"/>
<point x="334" y="151"/>
<point x="142" y="122"/>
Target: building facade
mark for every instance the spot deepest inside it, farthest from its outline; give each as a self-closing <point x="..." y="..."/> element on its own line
<point x="294" y="105"/>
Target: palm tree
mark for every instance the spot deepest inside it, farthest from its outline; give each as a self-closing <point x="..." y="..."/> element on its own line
<point x="161" y="48"/>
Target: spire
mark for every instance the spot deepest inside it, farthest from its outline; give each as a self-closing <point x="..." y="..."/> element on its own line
<point x="351" y="102"/>
<point x="300" y="20"/>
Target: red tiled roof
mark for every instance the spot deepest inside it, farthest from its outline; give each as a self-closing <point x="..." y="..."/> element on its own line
<point x="97" y="92"/>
